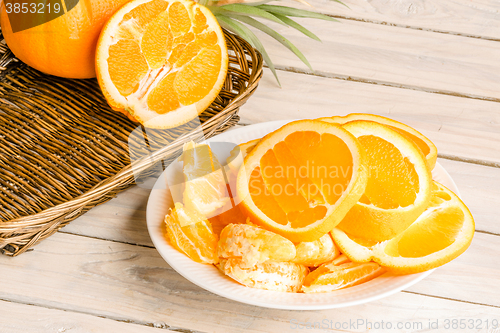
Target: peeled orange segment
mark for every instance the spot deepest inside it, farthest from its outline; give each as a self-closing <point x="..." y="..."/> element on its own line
<point x="329" y="277"/>
<point x="205" y="186"/>
<point x="192" y="234"/>
<point x="342" y="259"/>
<point x="301" y="180"/>
<point x="270" y="275"/>
<point x="426" y="145"/>
<point x="317" y="252"/>
<point x="254" y="245"/>
<point x="161" y="62"/>
<point x="440" y="234"/>
<point x="398" y="189"/>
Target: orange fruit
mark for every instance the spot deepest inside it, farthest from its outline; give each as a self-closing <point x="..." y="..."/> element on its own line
<point x="316" y="252"/>
<point x="66" y="45"/>
<point x="253" y="245"/>
<point x="270" y="275"/>
<point x="192" y="234"/>
<point x="399" y="186"/>
<point x="205" y="188"/>
<point x="292" y="184"/>
<point x="329" y="276"/>
<point x="443" y="232"/>
<point x="428" y="148"/>
<point x="162" y="62"/>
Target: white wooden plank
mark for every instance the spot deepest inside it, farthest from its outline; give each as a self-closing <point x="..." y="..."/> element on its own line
<point x="122" y="219"/>
<point x="472" y="277"/>
<point x="476" y="18"/>
<point x="21" y="318"/>
<point x="458" y="126"/>
<point x="398" y="56"/>
<point x="129" y="282"/>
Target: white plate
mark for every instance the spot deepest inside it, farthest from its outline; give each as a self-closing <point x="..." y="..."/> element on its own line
<point x="209" y="278"/>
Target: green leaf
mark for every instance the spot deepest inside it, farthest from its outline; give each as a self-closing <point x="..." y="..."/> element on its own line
<point x="297" y="26"/>
<point x="250" y="11"/>
<point x="245" y="33"/>
<point x="289" y="11"/>
<point x="275" y="35"/>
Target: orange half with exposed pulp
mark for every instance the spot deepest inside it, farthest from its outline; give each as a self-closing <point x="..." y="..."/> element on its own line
<point x="301" y="180"/>
<point x="161" y="62"/>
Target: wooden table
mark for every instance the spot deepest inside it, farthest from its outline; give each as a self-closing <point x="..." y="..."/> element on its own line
<point x="434" y="65"/>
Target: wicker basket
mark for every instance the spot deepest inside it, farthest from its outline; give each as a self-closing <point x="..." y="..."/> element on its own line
<point x="65" y="151"/>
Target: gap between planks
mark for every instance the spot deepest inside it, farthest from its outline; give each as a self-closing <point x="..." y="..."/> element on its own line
<point x="450" y="299"/>
<point x="382" y="83"/>
<point x="351" y="18"/>
<point x="120" y="320"/>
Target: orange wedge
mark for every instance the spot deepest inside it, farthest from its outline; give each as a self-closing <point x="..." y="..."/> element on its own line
<point x="205" y="188"/>
<point x="270" y="275"/>
<point x="300" y="180"/>
<point x="439" y="235"/>
<point x="238" y="153"/>
<point x="162" y="63"/>
<point x="426" y="145"/>
<point x="331" y="276"/>
<point x="192" y="235"/>
<point x="399" y="186"/>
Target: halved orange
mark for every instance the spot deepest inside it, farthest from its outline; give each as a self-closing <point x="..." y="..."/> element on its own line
<point x="426" y="145"/>
<point x="161" y="62"/>
<point x="443" y="232"/>
<point x="301" y="180"/>
<point x="399" y="186"/>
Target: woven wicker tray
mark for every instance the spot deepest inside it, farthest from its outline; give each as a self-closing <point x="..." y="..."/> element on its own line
<point x="64" y="151"/>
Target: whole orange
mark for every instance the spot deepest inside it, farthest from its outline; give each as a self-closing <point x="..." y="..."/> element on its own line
<point x="66" y="45"/>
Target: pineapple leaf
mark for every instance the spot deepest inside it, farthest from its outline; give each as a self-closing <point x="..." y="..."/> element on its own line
<point x="289" y="11"/>
<point x="264" y="28"/>
<point x="249" y="11"/>
<point x="245" y="33"/>
<point x="297" y="26"/>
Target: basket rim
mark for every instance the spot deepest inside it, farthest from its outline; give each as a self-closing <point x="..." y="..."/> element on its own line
<point x="125" y="177"/>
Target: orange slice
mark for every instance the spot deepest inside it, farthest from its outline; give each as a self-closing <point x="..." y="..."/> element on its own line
<point x="315" y="253"/>
<point x="426" y="145"/>
<point x="161" y="62"/>
<point x="192" y="234"/>
<point x="270" y="275"/>
<point x="254" y="245"/>
<point x="238" y="153"/>
<point x="301" y="180"/>
<point x="205" y="188"/>
<point x="398" y="189"/>
<point x="443" y="232"/>
<point x="330" y="276"/>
